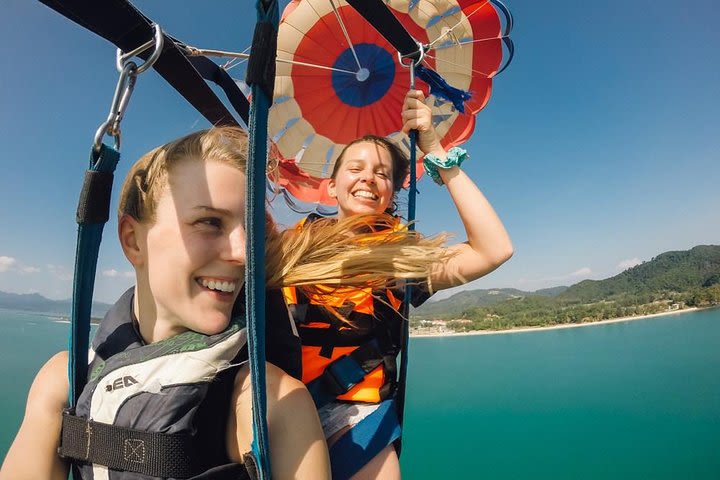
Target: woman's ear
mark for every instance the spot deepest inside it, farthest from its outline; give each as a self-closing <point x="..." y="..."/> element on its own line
<point x="331" y="190"/>
<point x="129" y="232"/>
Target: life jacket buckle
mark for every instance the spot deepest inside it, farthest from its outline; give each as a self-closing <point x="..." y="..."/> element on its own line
<point x="342" y="374"/>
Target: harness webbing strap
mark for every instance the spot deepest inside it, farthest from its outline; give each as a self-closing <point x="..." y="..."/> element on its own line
<point x="377" y="13"/>
<point x="92" y="214"/>
<point x="94" y="203"/>
<point x="261" y="72"/>
<point x="125" y="26"/>
<point x="266" y="27"/>
<point x="120" y="448"/>
<point x="345" y="372"/>
<point x="405" y="335"/>
<point x="212" y="72"/>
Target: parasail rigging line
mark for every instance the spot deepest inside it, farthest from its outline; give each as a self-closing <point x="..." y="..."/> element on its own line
<point x="194" y="51"/>
<point x="345" y="32"/>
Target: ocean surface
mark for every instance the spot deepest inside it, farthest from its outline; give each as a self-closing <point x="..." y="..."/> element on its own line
<point x="632" y="400"/>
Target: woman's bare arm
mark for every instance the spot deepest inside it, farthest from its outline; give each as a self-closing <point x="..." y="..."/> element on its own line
<point x="297" y="444"/>
<point x="488" y="244"/>
<point x="33" y="453"/>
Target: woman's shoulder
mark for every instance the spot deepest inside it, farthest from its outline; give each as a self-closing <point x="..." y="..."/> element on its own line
<point x="50" y="387"/>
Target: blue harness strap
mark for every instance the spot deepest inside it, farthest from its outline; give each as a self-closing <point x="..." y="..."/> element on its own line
<point x="405" y="334"/>
<point x="92" y="214"/>
<point x="261" y="77"/>
<point x="364" y="441"/>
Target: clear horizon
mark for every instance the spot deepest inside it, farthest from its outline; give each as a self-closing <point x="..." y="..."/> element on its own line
<point x="596" y="148"/>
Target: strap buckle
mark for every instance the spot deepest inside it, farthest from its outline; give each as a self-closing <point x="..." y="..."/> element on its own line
<point x="342" y="374"/>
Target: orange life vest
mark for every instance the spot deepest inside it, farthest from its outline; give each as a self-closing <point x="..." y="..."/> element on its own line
<point x="351" y="322"/>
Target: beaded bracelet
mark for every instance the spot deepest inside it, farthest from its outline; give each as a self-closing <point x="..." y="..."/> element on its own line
<point x="455" y="156"/>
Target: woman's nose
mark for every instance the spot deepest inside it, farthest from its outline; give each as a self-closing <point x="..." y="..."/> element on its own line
<point x="367" y="176"/>
<point x="236" y="245"/>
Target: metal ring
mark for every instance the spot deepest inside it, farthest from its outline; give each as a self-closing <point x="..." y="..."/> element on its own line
<point x="158" y="41"/>
<point x="421" y="57"/>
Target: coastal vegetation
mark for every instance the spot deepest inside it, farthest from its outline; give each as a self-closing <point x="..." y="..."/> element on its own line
<point x="670" y="281"/>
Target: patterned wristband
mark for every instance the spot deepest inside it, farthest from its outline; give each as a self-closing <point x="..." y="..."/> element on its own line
<point x="455" y="156"/>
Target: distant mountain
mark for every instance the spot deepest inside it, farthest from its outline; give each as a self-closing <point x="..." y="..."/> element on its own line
<point x="462" y="301"/>
<point x="550" y="292"/>
<point x="33" y="302"/>
<point x="668" y="272"/>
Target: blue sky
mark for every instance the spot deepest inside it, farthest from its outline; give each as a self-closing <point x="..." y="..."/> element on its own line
<point x="600" y="147"/>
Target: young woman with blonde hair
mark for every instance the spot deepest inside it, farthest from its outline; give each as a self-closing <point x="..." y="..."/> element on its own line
<point x="166" y="360"/>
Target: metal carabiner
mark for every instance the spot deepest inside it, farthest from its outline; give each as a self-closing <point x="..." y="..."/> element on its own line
<point x="412" y="62"/>
<point x="123" y="91"/>
<point x="129" y="70"/>
<point x="158" y="41"/>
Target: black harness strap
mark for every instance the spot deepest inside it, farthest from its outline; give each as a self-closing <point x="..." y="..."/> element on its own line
<point x="381" y="18"/>
<point x="94" y="202"/>
<point x="212" y="72"/>
<point x="119" y="448"/>
<point x="347" y="371"/>
<point x="126" y="27"/>
<point x="261" y="66"/>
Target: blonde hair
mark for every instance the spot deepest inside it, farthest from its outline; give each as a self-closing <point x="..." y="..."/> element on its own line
<point x="349" y="252"/>
<point x="148" y="177"/>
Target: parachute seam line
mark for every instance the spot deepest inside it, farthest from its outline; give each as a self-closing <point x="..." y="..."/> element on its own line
<point x="441" y="60"/>
<point x="468" y="42"/>
<point x="321" y="19"/>
<point x="245" y="56"/>
<point x="487" y="2"/>
<point x="345" y="32"/>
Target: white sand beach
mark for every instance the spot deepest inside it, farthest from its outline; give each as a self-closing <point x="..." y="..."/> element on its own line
<point x="555" y="327"/>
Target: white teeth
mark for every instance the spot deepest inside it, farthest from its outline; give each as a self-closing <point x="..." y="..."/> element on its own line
<point x="218" y="285"/>
<point x="365" y="194"/>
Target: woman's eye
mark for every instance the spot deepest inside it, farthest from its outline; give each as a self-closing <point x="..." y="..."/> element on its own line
<point x="210" y="222"/>
<point x="382" y="175"/>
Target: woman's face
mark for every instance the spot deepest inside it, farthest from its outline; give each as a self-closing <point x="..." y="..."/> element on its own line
<point x="193" y="255"/>
<point x="363" y="182"/>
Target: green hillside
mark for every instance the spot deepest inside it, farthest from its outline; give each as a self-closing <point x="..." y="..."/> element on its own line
<point x="670" y="281"/>
<point x="456" y="305"/>
<point x="668" y="272"/>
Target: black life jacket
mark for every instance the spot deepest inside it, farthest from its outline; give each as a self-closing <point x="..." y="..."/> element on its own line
<point x="154" y="411"/>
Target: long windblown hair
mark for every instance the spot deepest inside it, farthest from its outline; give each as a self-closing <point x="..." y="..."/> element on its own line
<point x="349" y="252"/>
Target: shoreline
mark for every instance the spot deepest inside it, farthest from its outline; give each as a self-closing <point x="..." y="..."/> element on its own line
<point x="558" y="326"/>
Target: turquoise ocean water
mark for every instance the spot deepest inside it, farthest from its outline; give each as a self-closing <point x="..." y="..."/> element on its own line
<point x="633" y="400"/>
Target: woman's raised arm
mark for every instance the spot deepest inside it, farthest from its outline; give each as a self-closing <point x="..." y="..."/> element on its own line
<point x="488" y="244"/>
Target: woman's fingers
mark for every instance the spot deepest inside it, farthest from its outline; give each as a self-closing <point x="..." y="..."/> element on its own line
<point x="417" y="118"/>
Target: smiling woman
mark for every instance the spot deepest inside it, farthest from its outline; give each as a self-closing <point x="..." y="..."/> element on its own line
<point x="167" y="356"/>
<point x="193" y="254"/>
<point x="366" y="177"/>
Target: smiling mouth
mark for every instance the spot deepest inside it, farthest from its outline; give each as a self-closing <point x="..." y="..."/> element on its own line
<point x="364" y="194"/>
<point x="217" y="285"/>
